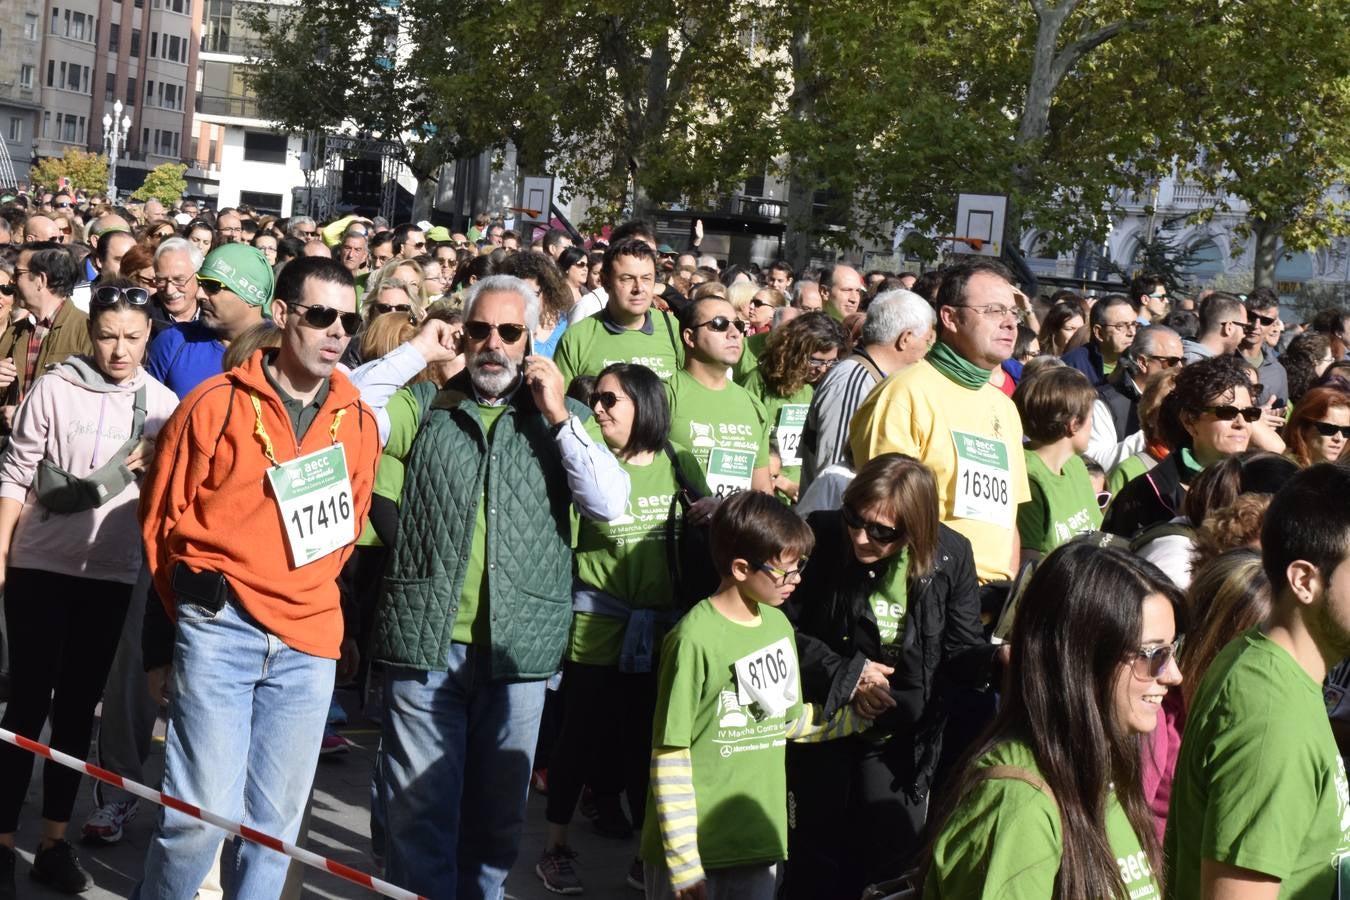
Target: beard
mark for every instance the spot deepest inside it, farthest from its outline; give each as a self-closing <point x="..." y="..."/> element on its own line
<point x="1328" y="629"/>
<point x="493" y="384"/>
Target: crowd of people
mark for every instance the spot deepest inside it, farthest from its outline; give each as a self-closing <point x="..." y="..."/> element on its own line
<point x="800" y="581"/>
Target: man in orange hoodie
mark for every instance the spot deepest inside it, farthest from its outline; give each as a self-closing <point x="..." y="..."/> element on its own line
<point x="260" y="487"/>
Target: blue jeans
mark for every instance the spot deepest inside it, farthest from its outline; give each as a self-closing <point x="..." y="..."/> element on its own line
<point x="245" y="723"/>
<point x="456" y="747"/>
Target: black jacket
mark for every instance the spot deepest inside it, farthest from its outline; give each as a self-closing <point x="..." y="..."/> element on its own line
<point x="1150" y="499"/>
<point x="942" y="646"/>
<point x="1122" y="399"/>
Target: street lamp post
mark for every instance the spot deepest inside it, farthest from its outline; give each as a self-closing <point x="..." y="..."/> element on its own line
<point x="115" y="130"/>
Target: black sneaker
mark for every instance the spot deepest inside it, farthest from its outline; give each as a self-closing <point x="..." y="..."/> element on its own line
<point x="7" y="860"/>
<point x="556" y="871"/>
<point x="58" y="868"/>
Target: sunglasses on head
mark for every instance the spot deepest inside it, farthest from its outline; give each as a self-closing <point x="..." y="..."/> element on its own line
<point x="1150" y="663"/>
<point x="605" y="399"/>
<point x="324" y="316"/>
<point x="1327" y="429"/>
<point x="885" y="534"/>
<point x="109" y="296"/>
<point x="1228" y="412"/>
<point x="479" y="331"/>
<point x="720" y="324"/>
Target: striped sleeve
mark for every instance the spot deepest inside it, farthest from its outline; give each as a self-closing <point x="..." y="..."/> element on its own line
<point x="677" y="814"/>
<point x="812" y="728"/>
<point x="834" y="412"/>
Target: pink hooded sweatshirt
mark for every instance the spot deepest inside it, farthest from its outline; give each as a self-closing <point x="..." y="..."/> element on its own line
<point x="78" y="419"/>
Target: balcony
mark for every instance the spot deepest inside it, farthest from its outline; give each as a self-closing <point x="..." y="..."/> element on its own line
<point x="1189" y="195"/>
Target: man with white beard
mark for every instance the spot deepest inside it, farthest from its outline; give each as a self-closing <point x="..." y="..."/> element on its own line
<point x="477" y="597"/>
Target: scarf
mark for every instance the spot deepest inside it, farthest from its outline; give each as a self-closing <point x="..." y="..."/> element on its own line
<point x="958" y="368"/>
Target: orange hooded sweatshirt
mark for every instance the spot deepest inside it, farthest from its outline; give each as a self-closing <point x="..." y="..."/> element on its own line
<point x="207" y="501"/>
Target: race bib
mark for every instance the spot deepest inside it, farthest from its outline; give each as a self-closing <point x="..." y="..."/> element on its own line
<point x="787" y="434"/>
<point x="769" y="677"/>
<point x="729" y="471"/>
<point x="315" y="498"/>
<point x="983" y="480"/>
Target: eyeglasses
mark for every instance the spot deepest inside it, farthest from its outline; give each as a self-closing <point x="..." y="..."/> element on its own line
<point x="1228" y="412"/>
<point x="1151" y="663"/>
<point x="605" y="399"/>
<point x="720" y="324"/>
<point x="109" y="295"/>
<point x="304" y="234"/>
<point x="236" y="229"/>
<point x="1166" y="362"/>
<point x="1325" y="429"/>
<point x="757" y="303"/>
<point x="1242" y="325"/>
<point x="209" y="286"/>
<point x="783" y="576"/>
<point x="1123" y="327"/>
<point x="993" y="310"/>
<point x="581" y="264"/>
<point x="818" y="364"/>
<point x="479" y="331"/>
<point x="382" y="308"/>
<point x="1264" y="321"/>
<point x="7" y="290"/>
<point x="179" y="283"/>
<point x="884" y="534"/>
<point x="63" y="206"/>
<point x="324" y="316"/>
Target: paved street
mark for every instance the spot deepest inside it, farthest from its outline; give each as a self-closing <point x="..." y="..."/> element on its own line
<point x="340" y="830"/>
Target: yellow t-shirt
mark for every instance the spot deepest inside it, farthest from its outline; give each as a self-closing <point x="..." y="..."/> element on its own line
<point x="920" y="412"/>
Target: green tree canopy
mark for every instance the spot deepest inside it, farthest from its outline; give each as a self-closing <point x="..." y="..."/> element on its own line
<point x="87" y="172"/>
<point x="164" y="183"/>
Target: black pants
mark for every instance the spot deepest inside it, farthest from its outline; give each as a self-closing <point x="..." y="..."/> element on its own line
<point x="851" y="821"/>
<point x="607" y="727"/>
<point x="63" y="633"/>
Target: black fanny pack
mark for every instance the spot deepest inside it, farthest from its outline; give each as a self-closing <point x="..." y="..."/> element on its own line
<point x="62" y="492"/>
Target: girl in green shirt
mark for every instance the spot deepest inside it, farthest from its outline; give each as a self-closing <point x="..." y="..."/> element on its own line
<point x="1050" y="803"/>
<point x="795" y="357"/>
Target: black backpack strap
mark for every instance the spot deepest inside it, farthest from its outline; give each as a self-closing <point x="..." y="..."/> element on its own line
<point x="691" y="494"/>
<point x="674" y="344"/>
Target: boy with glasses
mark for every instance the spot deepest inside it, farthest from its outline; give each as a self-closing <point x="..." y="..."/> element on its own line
<point x="1263" y="311"/>
<point x="1223" y="322"/>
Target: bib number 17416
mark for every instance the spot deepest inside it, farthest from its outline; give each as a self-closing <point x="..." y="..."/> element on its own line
<point x="314" y="497"/>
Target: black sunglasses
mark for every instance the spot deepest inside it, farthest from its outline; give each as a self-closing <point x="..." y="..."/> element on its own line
<point x="1167" y="362"/>
<point x="1327" y="429"/>
<point x="1265" y="321"/>
<point x="720" y="324"/>
<point x="324" y="316"/>
<point x="209" y="287"/>
<point x="605" y="399"/>
<point x="1228" y="412"/>
<point x="109" y="296"/>
<point x="7" y="290"/>
<point x="884" y="534"/>
<point x="479" y="331"/>
<point x="383" y="308"/>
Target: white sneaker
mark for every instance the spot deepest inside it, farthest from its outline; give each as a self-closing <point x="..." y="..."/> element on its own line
<point x="105" y="824"/>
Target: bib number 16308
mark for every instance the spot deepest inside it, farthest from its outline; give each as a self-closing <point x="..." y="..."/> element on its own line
<point x="983" y="480"/>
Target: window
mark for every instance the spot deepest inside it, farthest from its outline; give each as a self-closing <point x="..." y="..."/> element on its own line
<point x="259" y="146"/>
<point x="139" y="4"/>
<point x="109" y="86"/>
<point x="149" y="92"/>
<point x="76" y="30"/>
<point x="26" y="77"/>
<point x="131" y="91"/>
<point x="51" y="77"/>
<point x="15" y="129"/>
<point x="175" y="46"/>
<point x="114" y="36"/>
<point x="56" y="20"/>
<point x="263" y="203"/>
<point x="46" y="124"/>
<point x="154" y="44"/>
<point x="135" y="42"/>
<point x="30" y="26"/>
<point x="70" y="128"/>
<point x="145" y="138"/>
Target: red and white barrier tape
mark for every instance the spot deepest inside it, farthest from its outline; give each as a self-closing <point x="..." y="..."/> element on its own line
<point x="299" y="854"/>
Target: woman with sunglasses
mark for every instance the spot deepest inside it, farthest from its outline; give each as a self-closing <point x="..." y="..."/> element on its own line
<point x="890" y="624"/>
<point x="1208" y="416"/>
<point x="576" y="270"/>
<point x="1050" y="802"/>
<point x="70" y="552"/>
<point x="796" y="356"/>
<point x="761" y="309"/>
<point x="623" y="601"/>
<point x="1319" y="427"/>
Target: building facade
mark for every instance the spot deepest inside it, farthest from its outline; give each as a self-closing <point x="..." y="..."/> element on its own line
<point x="20" y="93"/>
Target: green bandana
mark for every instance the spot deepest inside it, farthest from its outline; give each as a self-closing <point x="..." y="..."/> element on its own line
<point x="1189" y="463"/>
<point x="958" y="368"/>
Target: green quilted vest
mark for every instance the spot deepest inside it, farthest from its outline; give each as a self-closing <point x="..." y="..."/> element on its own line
<point x="528" y="553"/>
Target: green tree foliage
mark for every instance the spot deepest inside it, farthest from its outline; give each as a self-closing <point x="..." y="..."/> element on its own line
<point x="87" y="172"/>
<point x="164" y="183"/>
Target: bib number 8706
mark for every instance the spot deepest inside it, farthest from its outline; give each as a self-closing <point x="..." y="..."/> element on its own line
<point x="982" y="484"/>
<point x="322" y="515"/>
<point x="769" y="669"/>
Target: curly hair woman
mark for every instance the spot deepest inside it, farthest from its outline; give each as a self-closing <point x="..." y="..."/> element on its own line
<point x="795" y="357"/>
<point x="543" y="274"/>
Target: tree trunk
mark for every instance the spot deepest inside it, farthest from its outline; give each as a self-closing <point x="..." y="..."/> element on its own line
<point x="424" y="197"/>
<point x="1267" y="234"/>
<point x="801" y="105"/>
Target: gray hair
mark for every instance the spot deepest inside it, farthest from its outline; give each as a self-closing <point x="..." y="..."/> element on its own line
<point x="504" y="284"/>
<point x="1145" y="343"/>
<point x="799" y="285"/>
<point x="297" y="221"/>
<point x="182" y="245"/>
<point x="894" y="312"/>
